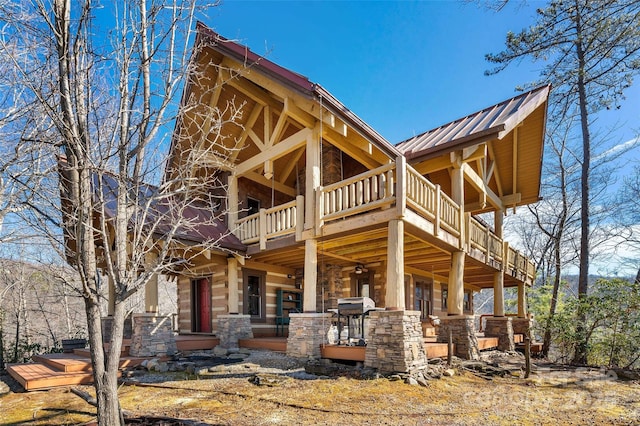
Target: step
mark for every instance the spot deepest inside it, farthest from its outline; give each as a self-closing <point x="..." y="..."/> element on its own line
<point x="536" y="347"/>
<point x="487" y="343"/>
<point x="65" y="362"/>
<point x="34" y="376"/>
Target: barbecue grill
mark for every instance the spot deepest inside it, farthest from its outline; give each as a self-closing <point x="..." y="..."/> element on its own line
<point x="355" y="310"/>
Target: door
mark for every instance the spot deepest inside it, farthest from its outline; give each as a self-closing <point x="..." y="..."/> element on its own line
<point x="200" y="306"/>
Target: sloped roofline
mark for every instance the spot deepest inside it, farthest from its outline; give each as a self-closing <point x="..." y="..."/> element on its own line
<point x="296" y="82"/>
<point x="493" y="122"/>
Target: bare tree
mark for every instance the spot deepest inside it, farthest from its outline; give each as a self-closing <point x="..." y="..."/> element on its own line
<point x="109" y="107"/>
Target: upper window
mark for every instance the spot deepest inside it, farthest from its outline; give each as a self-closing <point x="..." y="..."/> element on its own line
<point x="253" y="205"/>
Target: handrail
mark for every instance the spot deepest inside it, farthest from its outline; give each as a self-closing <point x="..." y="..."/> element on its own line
<point x="366" y="191"/>
<point x="270" y="223"/>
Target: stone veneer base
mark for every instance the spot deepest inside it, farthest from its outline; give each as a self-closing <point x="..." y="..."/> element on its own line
<point x="502" y="328"/>
<point x="395" y="343"/>
<point x="307" y="331"/>
<point x="152" y="335"/>
<point x="522" y="325"/>
<point x="463" y="334"/>
<point x="107" y="325"/>
<point x="233" y="327"/>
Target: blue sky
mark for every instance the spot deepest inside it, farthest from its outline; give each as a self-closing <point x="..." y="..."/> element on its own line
<point x="404" y="67"/>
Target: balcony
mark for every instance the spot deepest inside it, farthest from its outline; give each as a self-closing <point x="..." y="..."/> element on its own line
<point x="377" y="190"/>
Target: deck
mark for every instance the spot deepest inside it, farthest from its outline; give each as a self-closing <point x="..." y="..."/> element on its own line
<point x="68" y="369"/>
<point x="364" y="204"/>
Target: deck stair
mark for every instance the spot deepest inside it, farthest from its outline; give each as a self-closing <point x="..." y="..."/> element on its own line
<point x="61" y="369"/>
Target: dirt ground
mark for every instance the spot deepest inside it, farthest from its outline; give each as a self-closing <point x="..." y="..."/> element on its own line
<point x="268" y="388"/>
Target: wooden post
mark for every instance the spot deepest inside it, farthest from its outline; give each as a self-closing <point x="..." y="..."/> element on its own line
<point x="401" y="185"/>
<point x="312" y="181"/>
<point x="262" y="228"/>
<point x="455" y="295"/>
<point x="111" y="306"/>
<point x="522" y="301"/>
<point x="498" y="277"/>
<point x="232" y="201"/>
<point x="232" y="274"/>
<point x="310" y="275"/>
<point x="151" y="288"/>
<point x="395" y="266"/>
<point x="299" y="217"/>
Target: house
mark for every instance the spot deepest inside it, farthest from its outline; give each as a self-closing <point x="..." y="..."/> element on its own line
<point x="325" y="208"/>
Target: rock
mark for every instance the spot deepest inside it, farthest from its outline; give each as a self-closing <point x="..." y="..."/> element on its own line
<point x="449" y="372"/>
<point x="162" y="367"/>
<point x="152" y="364"/>
<point x="267" y="379"/>
<point x="144" y="363"/>
<point x="435" y="361"/>
<point x="422" y="381"/>
<point x="411" y="381"/>
<point x="237" y="355"/>
<point x="201" y="371"/>
<point x="219" y="351"/>
<point x="394" y="377"/>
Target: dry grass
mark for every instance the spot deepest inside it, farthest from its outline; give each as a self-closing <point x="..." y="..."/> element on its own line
<point x="549" y="397"/>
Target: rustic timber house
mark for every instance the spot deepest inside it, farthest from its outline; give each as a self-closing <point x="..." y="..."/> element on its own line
<point x="326" y="209"/>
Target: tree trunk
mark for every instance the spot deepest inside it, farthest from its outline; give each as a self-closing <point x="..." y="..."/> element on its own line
<point x="580" y="355"/>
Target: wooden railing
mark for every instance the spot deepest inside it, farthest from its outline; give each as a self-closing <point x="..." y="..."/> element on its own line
<point x="481" y="237"/>
<point x="520" y="266"/>
<point x="366" y="191"/>
<point x="430" y="202"/>
<point x="376" y="189"/>
<point x="271" y="223"/>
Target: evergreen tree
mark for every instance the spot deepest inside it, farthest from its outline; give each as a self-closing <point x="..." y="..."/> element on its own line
<point x="591" y="51"/>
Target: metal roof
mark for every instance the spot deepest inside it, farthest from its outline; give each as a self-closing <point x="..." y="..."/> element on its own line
<point x="490" y="123"/>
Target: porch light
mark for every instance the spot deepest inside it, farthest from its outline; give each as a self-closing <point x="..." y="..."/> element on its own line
<point x="359" y="269"/>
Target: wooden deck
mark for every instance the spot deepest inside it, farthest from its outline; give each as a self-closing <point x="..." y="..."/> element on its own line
<point x="276" y="344"/>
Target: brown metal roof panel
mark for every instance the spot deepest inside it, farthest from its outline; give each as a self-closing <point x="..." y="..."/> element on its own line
<point x="478" y="125"/>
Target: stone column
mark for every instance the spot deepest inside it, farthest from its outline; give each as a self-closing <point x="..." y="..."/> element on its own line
<point x="502" y="328"/>
<point x="463" y="333"/>
<point x="307" y="331"/>
<point x="522" y="325"/>
<point x="232" y="328"/>
<point x="395" y="343"/>
<point x="152" y="335"/>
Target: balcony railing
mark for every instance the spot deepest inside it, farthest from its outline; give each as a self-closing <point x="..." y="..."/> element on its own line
<point x="376" y="190"/>
<point x="271" y="223"/>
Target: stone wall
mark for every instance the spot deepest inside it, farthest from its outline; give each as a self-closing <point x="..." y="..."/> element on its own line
<point x="522" y="325"/>
<point x="306" y="333"/>
<point x="463" y="333"/>
<point x="152" y="335"/>
<point x="395" y="343"/>
<point x="502" y="328"/>
<point x="231" y="328"/>
<point x="330" y="284"/>
<point x="107" y="325"/>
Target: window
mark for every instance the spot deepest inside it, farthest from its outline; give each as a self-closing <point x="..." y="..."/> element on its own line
<point x="468" y="301"/>
<point x="254" y="290"/>
<point x="253" y="205"/>
<point x="445" y="294"/>
<point x="422" y="297"/>
<point x="362" y="284"/>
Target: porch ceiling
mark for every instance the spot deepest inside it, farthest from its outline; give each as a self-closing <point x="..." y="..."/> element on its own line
<point x="370" y="248"/>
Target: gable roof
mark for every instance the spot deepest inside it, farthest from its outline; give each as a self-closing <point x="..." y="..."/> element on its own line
<point x="493" y="122"/>
<point x="292" y="80"/>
